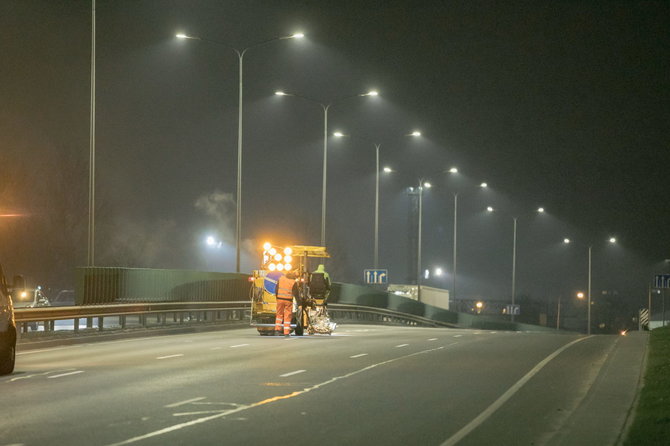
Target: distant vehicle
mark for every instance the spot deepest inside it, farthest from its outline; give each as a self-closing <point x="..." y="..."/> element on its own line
<point x="29" y="298"/>
<point x="7" y="325"/>
<point x="64" y="298"/>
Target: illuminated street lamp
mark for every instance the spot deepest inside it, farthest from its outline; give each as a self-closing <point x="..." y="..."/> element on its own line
<point x="325" y="108"/>
<point x="539" y="210"/>
<point x="580" y="295"/>
<point x="377" y="172"/>
<point x="240" y="57"/>
<point x="422" y="184"/>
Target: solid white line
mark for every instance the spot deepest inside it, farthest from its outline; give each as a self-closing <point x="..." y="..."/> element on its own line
<point x="184" y="425"/>
<point x="65" y="374"/>
<point x="292" y="373"/>
<point x="401" y="345"/>
<point x="238" y="345"/>
<point x="170" y="356"/>
<point x="181" y="403"/>
<point x="359" y="355"/>
<point x="479" y="419"/>
<point x="432" y="339"/>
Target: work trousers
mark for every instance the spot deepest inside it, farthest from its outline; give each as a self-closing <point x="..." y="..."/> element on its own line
<point x="284" y="314"/>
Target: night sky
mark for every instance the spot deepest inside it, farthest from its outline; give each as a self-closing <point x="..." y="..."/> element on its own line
<point x="558" y="104"/>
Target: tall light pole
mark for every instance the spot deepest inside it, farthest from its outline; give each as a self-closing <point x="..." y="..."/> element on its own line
<point x="422" y="184"/>
<point x="611" y="240"/>
<point x="325" y="108"/>
<point x="378" y="146"/>
<point x="539" y="210"/>
<point x="454" y="170"/>
<point x="90" y="256"/>
<point x="240" y="57"/>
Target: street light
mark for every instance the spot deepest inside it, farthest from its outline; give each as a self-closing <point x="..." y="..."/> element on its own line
<point x="611" y="240"/>
<point x="240" y="57"/>
<point x="454" y="170"/>
<point x="422" y="184"/>
<point x="539" y="210"/>
<point x="325" y="108"/>
<point x="377" y="171"/>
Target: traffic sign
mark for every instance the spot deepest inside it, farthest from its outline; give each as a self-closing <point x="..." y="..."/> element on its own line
<point x="514" y="309"/>
<point x="376" y="276"/>
<point x="662" y="281"/>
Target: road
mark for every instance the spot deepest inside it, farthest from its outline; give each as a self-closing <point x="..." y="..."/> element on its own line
<point x="365" y="385"/>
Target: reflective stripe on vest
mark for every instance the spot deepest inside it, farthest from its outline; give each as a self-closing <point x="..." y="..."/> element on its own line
<point x="285" y="288"/>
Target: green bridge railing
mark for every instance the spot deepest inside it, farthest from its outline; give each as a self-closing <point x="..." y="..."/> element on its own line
<point x="101" y="286"/>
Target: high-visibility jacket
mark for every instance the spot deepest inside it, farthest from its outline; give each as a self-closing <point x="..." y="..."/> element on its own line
<point x="285" y="288"/>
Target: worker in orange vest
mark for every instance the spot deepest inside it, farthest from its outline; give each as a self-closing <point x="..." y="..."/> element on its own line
<point x="287" y="288"/>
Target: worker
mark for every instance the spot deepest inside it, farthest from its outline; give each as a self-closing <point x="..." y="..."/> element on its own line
<point x="319" y="285"/>
<point x="287" y="288"/>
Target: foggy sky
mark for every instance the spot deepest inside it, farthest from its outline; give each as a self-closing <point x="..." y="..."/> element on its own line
<point x="559" y="104"/>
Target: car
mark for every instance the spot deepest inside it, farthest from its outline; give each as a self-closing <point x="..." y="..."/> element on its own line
<point x="7" y="329"/>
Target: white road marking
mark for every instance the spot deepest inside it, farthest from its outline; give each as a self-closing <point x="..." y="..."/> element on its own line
<point x="479" y="419"/>
<point x="457" y="336"/>
<point x="238" y="345"/>
<point x="17" y="378"/>
<point x="181" y="403"/>
<point x="292" y="373"/>
<point x="401" y="345"/>
<point x="216" y="348"/>
<point x="170" y="356"/>
<point x="359" y="355"/>
<point x="432" y="339"/>
<point x="180" y="426"/>
<point x="46" y="350"/>
<point x="201" y="412"/>
<point x="76" y="372"/>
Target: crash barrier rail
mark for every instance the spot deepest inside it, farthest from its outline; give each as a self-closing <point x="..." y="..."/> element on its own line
<point x="103" y="286"/>
<point x="357" y="313"/>
<point x="180" y="312"/>
<point x="198" y="312"/>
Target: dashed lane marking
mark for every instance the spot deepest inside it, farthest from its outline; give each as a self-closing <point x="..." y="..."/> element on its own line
<point x="181" y="403"/>
<point x="359" y="355"/>
<point x="238" y="345"/>
<point x="401" y="345"/>
<point x="170" y="356"/>
<point x="76" y="372"/>
<point x="457" y="336"/>
<point x="432" y="339"/>
<point x="292" y="373"/>
<point x="217" y="416"/>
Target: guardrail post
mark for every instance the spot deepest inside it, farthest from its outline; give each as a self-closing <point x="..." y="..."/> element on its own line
<point x="101" y="323"/>
<point x="76" y="325"/>
<point x="122" y="321"/>
<point x="181" y="317"/>
<point x="89" y="322"/>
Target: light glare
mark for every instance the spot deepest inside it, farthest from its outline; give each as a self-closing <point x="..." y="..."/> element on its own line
<point x="453" y="170"/>
<point x="297" y="36"/>
<point x="415" y="133"/>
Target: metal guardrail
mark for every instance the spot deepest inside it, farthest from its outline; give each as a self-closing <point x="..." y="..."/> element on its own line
<point x="180" y="312"/>
<point x="361" y="313"/>
<point x="200" y="312"/>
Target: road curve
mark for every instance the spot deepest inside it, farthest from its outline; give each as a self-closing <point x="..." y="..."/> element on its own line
<point x="363" y="385"/>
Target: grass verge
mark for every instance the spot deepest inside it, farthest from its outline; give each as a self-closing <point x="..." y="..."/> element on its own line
<point x="651" y="425"/>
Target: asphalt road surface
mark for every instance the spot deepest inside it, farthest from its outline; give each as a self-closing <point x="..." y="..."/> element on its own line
<point x="365" y="385"/>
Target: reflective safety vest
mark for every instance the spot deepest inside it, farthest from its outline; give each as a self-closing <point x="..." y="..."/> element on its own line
<point x="285" y="288"/>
